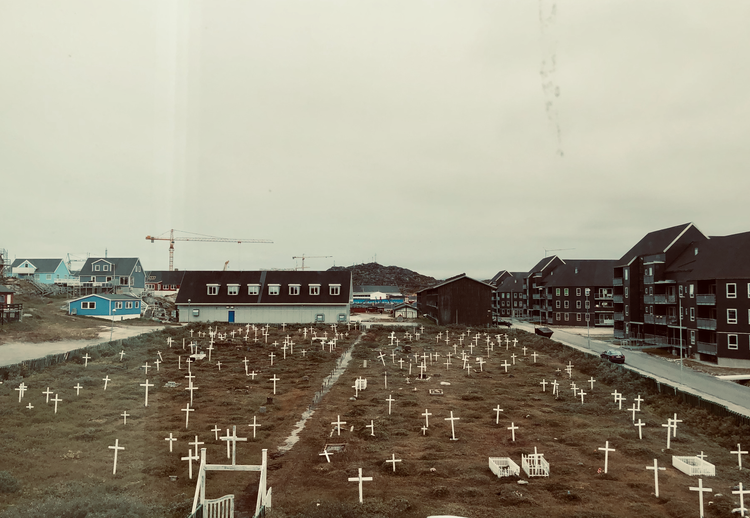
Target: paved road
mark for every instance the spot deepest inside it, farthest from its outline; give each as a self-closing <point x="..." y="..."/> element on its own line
<point x="733" y="396"/>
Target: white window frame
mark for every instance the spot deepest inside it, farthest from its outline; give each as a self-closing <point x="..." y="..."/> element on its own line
<point x="105" y="267"/>
<point x="730" y="319"/>
<point x="88" y="305"/>
<point x="578" y="304"/>
<point x="557" y="292"/>
<point x="128" y="305"/>
<point x="314" y="289"/>
<point x="334" y="289"/>
<point x="625" y="273"/>
<point x="732" y="294"/>
<point x="566" y="291"/>
<point x="137" y="304"/>
<point x="253" y="289"/>
<point x="692" y="291"/>
<point x="626" y="292"/>
<point x="557" y="304"/>
<point x="730" y="339"/>
<point x="233" y="289"/>
<point x="682" y="291"/>
<point x="587" y="305"/>
<point x="557" y="316"/>
<point x="294" y="289"/>
<point x="578" y="292"/>
<point x="692" y="337"/>
<point x="692" y="314"/>
<point x="578" y="317"/>
<point x="274" y="289"/>
<point x="212" y="289"/>
<point x="96" y="268"/>
<point x="567" y="317"/>
<point x="118" y="305"/>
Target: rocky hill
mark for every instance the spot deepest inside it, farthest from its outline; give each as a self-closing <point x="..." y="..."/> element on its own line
<point x="375" y="274"/>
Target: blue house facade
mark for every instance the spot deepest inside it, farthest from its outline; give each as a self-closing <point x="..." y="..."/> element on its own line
<point x="106" y="306"/>
<point x="122" y="275"/>
<point x="44" y="271"/>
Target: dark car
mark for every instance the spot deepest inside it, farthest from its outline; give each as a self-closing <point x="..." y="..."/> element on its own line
<point x="614" y="356"/>
<point x="543" y="331"/>
<point x="504" y="323"/>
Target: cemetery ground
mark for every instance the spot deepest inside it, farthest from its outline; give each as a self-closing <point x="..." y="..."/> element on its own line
<point x="56" y="462"/>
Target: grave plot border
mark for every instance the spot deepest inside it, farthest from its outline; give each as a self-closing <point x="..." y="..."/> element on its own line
<point x="694" y="466"/>
<point x="504" y="467"/>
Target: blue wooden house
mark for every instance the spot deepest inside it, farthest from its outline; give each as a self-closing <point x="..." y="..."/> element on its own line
<point x="123" y="275"/>
<point x="44" y="271"/>
<point x="106" y="305"/>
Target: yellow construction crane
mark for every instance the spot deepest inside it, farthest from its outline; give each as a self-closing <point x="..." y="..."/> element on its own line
<point x="198" y="237"/>
<point x="303" y="257"/>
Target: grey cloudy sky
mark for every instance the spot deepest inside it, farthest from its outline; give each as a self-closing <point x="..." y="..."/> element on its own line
<point x="440" y="136"/>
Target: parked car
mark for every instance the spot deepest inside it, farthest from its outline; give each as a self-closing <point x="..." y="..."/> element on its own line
<point x="504" y="323"/>
<point x="543" y="331"/>
<point x="614" y="356"/>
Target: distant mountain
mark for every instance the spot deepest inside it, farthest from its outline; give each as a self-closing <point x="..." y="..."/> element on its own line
<point x="374" y="274"/>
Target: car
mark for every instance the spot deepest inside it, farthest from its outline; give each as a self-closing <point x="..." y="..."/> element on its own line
<point x="614" y="356"/>
<point x="504" y="323"/>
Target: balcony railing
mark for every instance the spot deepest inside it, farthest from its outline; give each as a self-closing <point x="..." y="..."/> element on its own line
<point x="617" y="299"/>
<point x="706" y="300"/>
<point x="707" y="323"/>
<point x="617" y="281"/>
<point x="648" y="299"/>
<point x="707" y="348"/>
<point x="648" y="279"/>
<point x="535" y="296"/>
<point x="619" y="317"/>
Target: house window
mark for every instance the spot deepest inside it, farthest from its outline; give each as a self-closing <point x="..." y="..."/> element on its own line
<point x="88" y="305"/>
<point x="587" y="317"/>
<point x="196" y="312"/>
<point x="515" y="295"/>
<point x="294" y="289"/>
<point x="274" y="289"/>
<point x="118" y="305"/>
<point x="731" y="290"/>
<point x="213" y="289"/>
<point x="320" y="317"/>
<point x="128" y="305"/>
<point x="557" y="304"/>
<point x="105" y="267"/>
<point x="578" y="317"/>
<point x="692" y="291"/>
<point x="49" y="276"/>
<point x="233" y="289"/>
<point x="578" y="292"/>
<point x="626" y="310"/>
<point x="626" y="292"/>
<point x="732" y="341"/>
<point x="566" y="292"/>
<point x="557" y="316"/>
<point x="96" y="267"/>
<point x="682" y="291"/>
<point x="625" y="273"/>
<point x="731" y="316"/>
<point x="557" y="292"/>
<point x="253" y="289"/>
<point x="342" y="317"/>
<point x="137" y="269"/>
<point x="578" y="304"/>
<point x="588" y="304"/>
<point x="109" y="279"/>
<point x="124" y="281"/>
<point x="137" y="305"/>
<point x="692" y="314"/>
<point x="692" y="337"/>
<point x="567" y="316"/>
<point x="567" y="304"/>
<point x="334" y="289"/>
<point x="515" y="303"/>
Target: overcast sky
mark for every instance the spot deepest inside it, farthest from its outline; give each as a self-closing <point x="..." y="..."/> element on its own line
<point x="440" y="136"/>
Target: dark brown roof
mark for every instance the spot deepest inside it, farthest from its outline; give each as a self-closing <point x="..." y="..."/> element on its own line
<point x="590" y="272"/>
<point x="724" y="257"/>
<point x="656" y="242"/>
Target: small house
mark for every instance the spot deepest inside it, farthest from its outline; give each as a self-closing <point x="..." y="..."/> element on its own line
<point x="44" y="271"/>
<point x="107" y="306"/>
<point x="404" y="311"/>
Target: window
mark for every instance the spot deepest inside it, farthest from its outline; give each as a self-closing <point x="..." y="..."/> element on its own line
<point x="692" y="291"/>
<point x="588" y="304"/>
<point x="626" y="310"/>
<point x="578" y="304"/>
<point x="124" y="281"/>
<point x="88" y="305"/>
<point x="128" y="305"/>
<point x="274" y="289"/>
<point x="651" y="290"/>
<point x="320" y="317"/>
<point x="578" y="292"/>
<point x="557" y="316"/>
<point x="109" y="279"/>
<point x="557" y="292"/>
<point x="557" y="304"/>
<point x="49" y="276"/>
<point x="342" y="317"/>
<point x="578" y="317"/>
<point x="105" y="268"/>
<point x="692" y="337"/>
<point x="137" y="304"/>
<point x="587" y="317"/>
<point x="732" y="341"/>
<point x="213" y="289"/>
<point x="625" y="273"/>
<point x="294" y="289"/>
<point x="731" y="316"/>
<point x="731" y="290"/>
<point x="137" y="269"/>
<point x="96" y="267"/>
<point x="567" y="304"/>
<point x="196" y="312"/>
<point x="682" y="291"/>
<point x="626" y="292"/>
<point x="566" y="292"/>
<point x="692" y="314"/>
<point x="253" y="289"/>
<point x="233" y="289"/>
<point x="515" y="295"/>
<point x="334" y="289"/>
<point x="515" y="304"/>
<point x="118" y="305"/>
<point x="567" y="316"/>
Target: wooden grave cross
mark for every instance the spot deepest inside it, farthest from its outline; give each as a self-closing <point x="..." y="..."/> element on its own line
<point x="187" y="411"/>
<point x="513" y="429"/>
<point x="742" y="492"/>
<point x="218" y="364"/>
<point x="195" y="443"/>
<point x="122" y="353"/>
<point x="146" y="367"/>
<point x="171" y="440"/>
<point x="497" y="414"/>
<point x="125" y="416"/>
<point x="325" y="453"/>
<point x="338" y="422"/>
<point x="591" y="382"/>
<point x="513" y="357"/>
<point x="634" y="409"/>
<point x="701" y="490"/>
<point x="543" y="383"/>
<point x="390" y="401"/>
<point x="669" y="426"/>
<point x="606" y="451"/>
<point x="453" y="428"/>
<point x="555" y="387"/>
<point x="581" y="393"/>
<point x="106" y="380"/>
<point x="274" y="379"/>
<point x="534" y="355"/>
<point x="190" y="458"/>
<point x="252" y="375"/>
<point x="233" y="438"/>
<point x="427" y="415"/>
<point x="271" y="356"/>
<point x="481" y="362"/>
<point x="191" y="388"/>
<point x="360" y="479"/>
<point x="56" y="401"/>
<point x="371" y="426"/>
<point x="675" y="421"/>
<point x="47" y="392"/>
<point x="116" y="447"/>
<point x="157" y="362"/>
<point x="393" y="460"/>
<point x="86" y="359"/>
<point x="505" y="365"/>
<point x="656" y="469"/>
<point x="638" y="401"/>
<point x="381" y="357"/>
<point x="739" y="453"/>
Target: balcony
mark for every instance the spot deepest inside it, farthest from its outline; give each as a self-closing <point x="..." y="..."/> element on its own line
<point x="648" y="299"/>
<point x="707" y="348"/>
<point x="617" y="299"/>
<point x="535" y="296"/>
<point x="617" y="281"/>
<point x="706" y="300"/>
<point x="619" y="333"/>
<point x="535" y="307"/>
<point x="664" y="299"/>
<point x="619" y="317"/>
<point x="707" y="323"/>
<point x="648" y="279"/>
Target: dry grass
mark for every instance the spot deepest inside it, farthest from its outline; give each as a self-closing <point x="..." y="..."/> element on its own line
<point x="49" y="453"/>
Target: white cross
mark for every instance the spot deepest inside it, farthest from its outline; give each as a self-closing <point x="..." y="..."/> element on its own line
<point x="122" y="353"/>
<point x="233" y="438"/>
<point x="390" y="401"/>
<point x="619" y="400"/>
<point x="116" y="447"/>
<point x="29" y="406"/>
<point x="634" y="409"/>
<point x="191" y="388"/>
<point x="393" y="460"/>
<point x="252" y="375"/>
<point x="325" y="453"/>
<point x="157" y="362"/>
<point x="581" y="393"/>
<point x="453" y="428"/>
<point x="274" y="379"/>
<point x="505" y="365"/>
<point x="513" y="429"/>
<point x="86" y="359"/>
<point x="56" y="400"/>
<point x="497" y="414"/>
<point x="615" y="394"/>
<point x="675" y="421"/>
<point x="106" y="380"/>
<point x="78" y="388"/>
<point x="171" y="440"/>
<point x="701" y="490"/>
<point x="218" y="364"/>
<point x="381" y="357"/>
<point x="742" y="493"/>
<point x="656" y="469"/>
<point x="481" y="362"/>
<point x="147" y="385"/>
<point x="271" y="356"/>
<point x="669" y="426"/>
<point x="187" y="411"/>
<point x="543" y="383"/>
<point x="146" y="367"/>
<point x="555" y="386"/>
<point x="216" y="431"/>
<point x="360" y="479"/>
<point x="739" y="453"/>
<point x="606" y="451"/>
<point x="427" y="415"/>
<point x="638" y="401"/>
<point x="338" y="422"/>
<point x="125" y="417"/>
<point x="591" y="385"/>
<point x="534" y="355"/>
<point x="513" y="357"/>
<point x="47" y="392"/>
<point x="195" y="443"/>
<point x="190" y="458"/>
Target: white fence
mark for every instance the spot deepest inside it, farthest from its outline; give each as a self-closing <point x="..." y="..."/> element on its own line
<point x="504" y="467"/>
<point x="219" y="507"/>
<point x="694" y="466"/>
<point x="534" y="465"/>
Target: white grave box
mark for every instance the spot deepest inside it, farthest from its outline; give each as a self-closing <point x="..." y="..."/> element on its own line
<point x="535" y="465"/>
<point x="504" y="467"/>
<point x="436" y="392"/>
<point x="694" y="466"/>
<point x="360" y="383"/>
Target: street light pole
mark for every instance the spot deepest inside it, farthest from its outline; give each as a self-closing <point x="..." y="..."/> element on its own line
<point x="188" y="318"/>
<point x="588" y="317"/>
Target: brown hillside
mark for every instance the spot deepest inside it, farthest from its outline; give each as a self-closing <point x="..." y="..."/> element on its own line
<point x="374" y="274"/>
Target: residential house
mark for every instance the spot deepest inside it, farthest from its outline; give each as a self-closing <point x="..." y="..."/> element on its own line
<point x="457" y="300"/>
<point x="164" y="280"/>
<point x="44" y="271"/>
<point x="405" y="311"/>
<point x="118" y="275"/>
<point x="272" y="297"/>
<point x="9" y="311"/>
<point x="508" y="298"/>
<point x="108" y="306"/>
